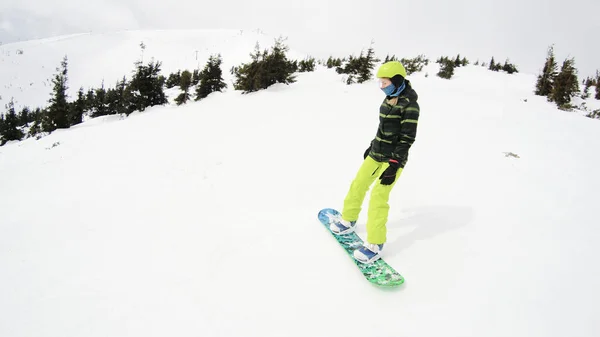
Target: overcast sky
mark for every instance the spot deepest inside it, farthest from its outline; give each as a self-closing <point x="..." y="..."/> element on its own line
<point x="520" y="30"/>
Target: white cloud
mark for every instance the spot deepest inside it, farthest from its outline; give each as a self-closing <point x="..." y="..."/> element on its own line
<point x="6" y="25"/>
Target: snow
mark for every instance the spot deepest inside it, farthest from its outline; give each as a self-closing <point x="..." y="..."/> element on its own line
<point x="201" y="219"/>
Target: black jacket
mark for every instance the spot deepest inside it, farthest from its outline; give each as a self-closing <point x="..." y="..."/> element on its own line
<point x="397" y="131"/>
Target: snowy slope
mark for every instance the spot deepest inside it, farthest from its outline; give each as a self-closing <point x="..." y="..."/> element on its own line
<point x="201" y="220"/>
<point x="94" y="58"/>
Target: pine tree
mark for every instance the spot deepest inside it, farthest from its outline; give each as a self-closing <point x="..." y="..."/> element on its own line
<point x="196" y="77"/>
<point x="587" y="83"/>
<point x="330" y="62"/>
<point x="545" y="80"/>
<point x="25" y="116"/>
<point x="211" y="78"/>
<point x="279" y="68"/>
<point x="457" y="61"/>
<point x="99" y="105"/>
<point x="249" y="76"/>
<point x="78" y="108"/>
<point x="359" y="69"/>
<point x="265" y="69"/>
<point x="10" y="128"/>
<point x="90" y="97"/>
<point x="446" y="68"/>
<point x="120" y="96"/>
<point x="415" y="64"/>
<point x="566" y="85"/>
<point x="186" y="82"/>
<point x="597" y="85"/>
<point x="492" y="64"/>
<point x="58" y="111"/>
<point x="509" y="67"/>
<point x="38" y="117"/>
<point x="333" y="62"/>
<point x="114" y="98"/>
<point x="367" y="64"/>
<point x="351" y="67"/>
<point x="295" y="66"/>
<point x="173" y="80"/>
<point x="307" y="65"/>
<point x="145" y="88"/>
<point x="2" y="122"/>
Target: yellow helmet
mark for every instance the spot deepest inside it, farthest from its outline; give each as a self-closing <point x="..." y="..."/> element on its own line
<point x="391" y="69"/>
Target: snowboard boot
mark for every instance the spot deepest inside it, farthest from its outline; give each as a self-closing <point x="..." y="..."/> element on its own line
<point x="341" y="226"/>
<point x="368" y="253"/>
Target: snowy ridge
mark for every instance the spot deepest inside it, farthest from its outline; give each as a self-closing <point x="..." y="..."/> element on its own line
<point x="200" y="220"/>
<point x="108" y="57"/>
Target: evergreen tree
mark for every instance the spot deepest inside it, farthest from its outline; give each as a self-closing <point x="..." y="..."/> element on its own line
<point x="249" y="76"/>
<point x="38" y="117"/>
<point x="597" y="85"/>
<point x="566" y="85"/>
<point x="119" y="104"/>
<point x="58" y="111"/>
<point x="351" y="66"/>
<point x="99" y="105"/>
<point x="329" y="62"/>
<point x="2" y="122"/>
<point x="457" y="61"/>
<point x="359" y="69"/>
<point x="588" y="82"/>
<point x="333" y="62"/>
<point x="492" y="64"/>
<point x="389" y="58"/>
<point x="114" y="101"/>
<point x="295" y="66"/>
<point x="279" y="69"/>
<point x="196" y="77"/>
<point x="211" y="78"/>
<point x="545" y="80"/>
<point x="446" y="68"/>
<point x="307" y="65"/>
<point x="509" y="67"/>
<point x="415" y="64"/>
<point x="265" y="69"/>
<point x="366" y="65"/>
<point x="78" y="108"/>
<point x="173" y="80"/>
<point x="350" y="79"/>
<point x="186" y="82"/>
<point x="10" y="126"/>
<point x="145" y="88"/>
<point x="90" y="97"/>
<point x="25" y="116"/>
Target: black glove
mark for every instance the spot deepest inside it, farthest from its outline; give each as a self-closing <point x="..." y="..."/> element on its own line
<point x="367" y="152"/>
<point x="389" y="175"/>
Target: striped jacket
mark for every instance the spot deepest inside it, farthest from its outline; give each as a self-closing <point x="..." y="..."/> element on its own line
<point x="397" y="129"/>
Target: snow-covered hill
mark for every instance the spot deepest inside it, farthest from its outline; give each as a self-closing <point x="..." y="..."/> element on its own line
<point x="27" y="68"/>
<point x="200" y="220"/>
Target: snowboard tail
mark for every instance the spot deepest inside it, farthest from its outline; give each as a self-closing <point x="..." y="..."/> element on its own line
<point x="378" y="272"/>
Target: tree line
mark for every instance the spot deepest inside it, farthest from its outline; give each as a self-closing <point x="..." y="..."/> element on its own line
<point x="561" y="86"/>
<point x="266" y="67"/>
<point x="144" y="89"/>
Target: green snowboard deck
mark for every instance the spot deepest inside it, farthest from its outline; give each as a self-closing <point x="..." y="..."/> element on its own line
<point x="379" y="272"/>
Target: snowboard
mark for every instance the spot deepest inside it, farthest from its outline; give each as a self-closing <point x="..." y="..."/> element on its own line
<point x="378" y="272"/>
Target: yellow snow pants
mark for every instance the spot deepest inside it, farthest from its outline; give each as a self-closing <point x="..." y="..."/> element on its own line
<point x="377" y="215"/>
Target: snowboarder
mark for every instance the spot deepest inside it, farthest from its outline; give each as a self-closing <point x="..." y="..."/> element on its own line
<point x="383" y="162"/>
